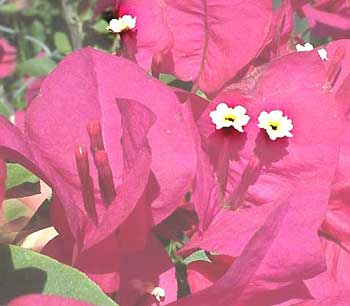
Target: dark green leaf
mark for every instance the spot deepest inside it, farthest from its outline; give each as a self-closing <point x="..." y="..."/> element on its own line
<point x="23" y="272"/>
<point x="17" y="175"/>
<point x="196" y="256"/>
<point x="36" y="66"/>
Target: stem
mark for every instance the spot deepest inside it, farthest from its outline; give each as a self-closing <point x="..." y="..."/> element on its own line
<point x="73" y="23"/>
<point x="22" y="88"/>
<point x="5" y="103"/>
<point x="32" y="39"/>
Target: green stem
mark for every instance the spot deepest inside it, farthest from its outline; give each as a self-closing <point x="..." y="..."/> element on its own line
<point x="29" y="38"/>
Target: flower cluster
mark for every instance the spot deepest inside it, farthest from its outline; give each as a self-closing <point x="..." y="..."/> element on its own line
<point x="241" y="180"/>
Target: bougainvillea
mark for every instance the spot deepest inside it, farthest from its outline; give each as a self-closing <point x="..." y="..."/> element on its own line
<point x="200" y="159"/>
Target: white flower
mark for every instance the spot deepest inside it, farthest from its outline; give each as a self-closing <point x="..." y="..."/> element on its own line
<point x="158" y="293"/>
<point x="305" y="47"/>
<point x="122" y="24"/>
<point x="323" y="54"/>
<point x="149" y="288"/>
<point x="275" y="124"/>
<point x="225" y="116"/>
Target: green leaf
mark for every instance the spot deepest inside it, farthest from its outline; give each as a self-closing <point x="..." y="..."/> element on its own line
<point x="4" y="111"/>
<point x="36" y="66"/>
<point x="100" y="26"/>
<point x="62" y="42"/>
<point x="9" y="8"/>
<point x="13" y="209"/>
<point x="196" y="256"/>
<point x="17" y="175"/>
<point x="302" y="27"/>
<point x="201" y="94"/>
<point x="166" y="78"/>
<point x="37" y="31"/>
<point x="23" y="272"/>
<point x="276" y="3"/>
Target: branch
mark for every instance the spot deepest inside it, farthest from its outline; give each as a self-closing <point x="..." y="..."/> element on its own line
<point x="73" y="23"/>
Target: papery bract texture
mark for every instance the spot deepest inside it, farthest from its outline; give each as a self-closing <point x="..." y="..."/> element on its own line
<point x="44" y="300"/>
<point x="147" y="145"/>
<point x="255" y="173"/>
<point x="329" y="18"/>
<point x="335" y="229"/>
<point x="247" y="281"/>
<point x="85" y="86"/>
<point x="206" y="42"/>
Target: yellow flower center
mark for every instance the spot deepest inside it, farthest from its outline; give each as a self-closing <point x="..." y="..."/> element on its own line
<point x="230" y="118"/>
<point x="274" y="125"/>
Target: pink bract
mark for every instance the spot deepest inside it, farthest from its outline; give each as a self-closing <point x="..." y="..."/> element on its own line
<point x="193" y="40"/>
<point x="335" y="230"/>
<point x="329" y="18"/>
<point x="87" y="86"/>
<point x="44" y="300"/>
<point x="262" y="282"/>
<point x="253" y="173"/>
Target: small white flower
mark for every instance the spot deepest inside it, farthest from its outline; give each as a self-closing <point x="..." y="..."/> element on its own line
<point x="122" y="24"/>
<point x="305" y="47"/>
<point x="323" y="54"/>
<point x="158" y="293"/>
<point x="149" y="288"/>
<point x="275" y="124"/>
<point x="225" y="116"/>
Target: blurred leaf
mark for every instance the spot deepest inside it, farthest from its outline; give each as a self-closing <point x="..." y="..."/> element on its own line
<point x="302" y="27"/>
<point x="17" y="175"/>
<point x="276" y="3"/>
<point x="62" y="42"/>
<point x="84" y="8"/>
<point x="23" y="271"/>
<point x="9" y="8"/>
<point x="36" y="66"/>
<point x="13" y="209"/>
<point x="100" y="26"/>
<point x="197" y="256"/>
<point x="201" y="94"/>
<point x="166" y="78"/>
<point x="318" y="41"/>
<point x="181" y="84"/>
<point x="4" y="111"/>
<point x="38" y="31"/>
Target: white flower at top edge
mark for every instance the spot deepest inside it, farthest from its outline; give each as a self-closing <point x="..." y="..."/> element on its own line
<point x="122" y="24"/>
<point x="224" y="117"/>
<point x="323" y="54"/>
<point x="275" y="124"/>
